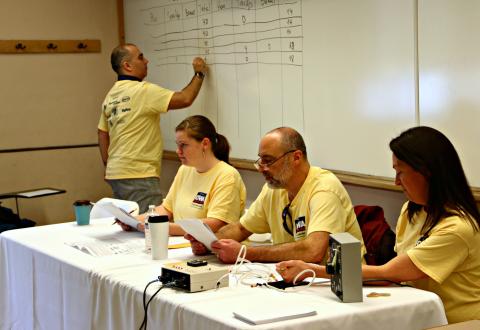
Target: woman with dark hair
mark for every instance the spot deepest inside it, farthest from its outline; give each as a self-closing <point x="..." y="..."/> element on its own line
<point x="205" y="187"/>
<point x="438" y="239"/>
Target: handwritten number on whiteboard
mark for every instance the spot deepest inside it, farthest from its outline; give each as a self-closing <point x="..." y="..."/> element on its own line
<point x="153" y="18"/>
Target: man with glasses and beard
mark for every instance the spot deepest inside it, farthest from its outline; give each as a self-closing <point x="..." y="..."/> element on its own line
<point x="300" y="205"/>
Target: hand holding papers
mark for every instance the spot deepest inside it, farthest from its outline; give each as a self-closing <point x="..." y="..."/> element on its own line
<point x="199" y="230"/>
<point x="120" y="214"/>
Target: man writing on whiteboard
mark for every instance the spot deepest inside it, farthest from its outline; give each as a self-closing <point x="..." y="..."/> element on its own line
<point x="299" y="204"/>
<point x="129" y="134"/>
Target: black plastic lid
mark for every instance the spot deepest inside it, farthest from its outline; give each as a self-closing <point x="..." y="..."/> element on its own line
<point x="81" y="202"/>
<point x="158" y="219"/>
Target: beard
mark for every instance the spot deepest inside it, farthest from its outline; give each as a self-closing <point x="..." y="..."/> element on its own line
<point x="280" y="180"/>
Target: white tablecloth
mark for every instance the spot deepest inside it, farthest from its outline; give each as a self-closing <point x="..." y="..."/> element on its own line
<point x="47" y="284"/>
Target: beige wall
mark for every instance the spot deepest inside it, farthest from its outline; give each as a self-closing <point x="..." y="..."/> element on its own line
<point x="79" y="171"/>
<point x="54" y="99"/>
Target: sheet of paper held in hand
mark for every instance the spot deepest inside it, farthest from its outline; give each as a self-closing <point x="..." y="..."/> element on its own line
<point x="120" y="214"/>
<point x="199" y="230"/>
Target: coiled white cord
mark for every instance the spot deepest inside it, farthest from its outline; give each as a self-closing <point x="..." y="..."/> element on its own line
<point x="244" y="271"/>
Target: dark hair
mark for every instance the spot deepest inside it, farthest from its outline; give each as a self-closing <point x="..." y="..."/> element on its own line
<point x="119" y="54"/>
<point x="291" y="139"/>
<point x="430" y="153"/>
<point x="199" y="127"/>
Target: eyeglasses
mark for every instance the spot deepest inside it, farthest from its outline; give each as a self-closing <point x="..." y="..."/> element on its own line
<point x="286" y="214"/>
<point x="260" y="163"/>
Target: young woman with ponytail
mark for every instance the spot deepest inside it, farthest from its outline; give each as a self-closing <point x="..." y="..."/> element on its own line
<point x="206" y="186"/>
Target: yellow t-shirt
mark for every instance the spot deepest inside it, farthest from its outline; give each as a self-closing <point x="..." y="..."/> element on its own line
<point x="218" y="193"/>
<point x="321" y="204"/>
<point x="450" y="256"/>
<point x="131" y="116"/>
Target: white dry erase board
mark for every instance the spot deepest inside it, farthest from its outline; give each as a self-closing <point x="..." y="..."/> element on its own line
<point x="342" y="72"/>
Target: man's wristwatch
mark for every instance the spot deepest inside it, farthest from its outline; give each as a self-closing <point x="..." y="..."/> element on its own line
<point x="200" y="74"/>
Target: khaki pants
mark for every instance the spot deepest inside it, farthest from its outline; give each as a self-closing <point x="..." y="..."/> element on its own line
<point x="144" y="191"/>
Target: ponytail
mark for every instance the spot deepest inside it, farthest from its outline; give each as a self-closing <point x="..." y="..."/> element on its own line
<point x="221" y="148"/>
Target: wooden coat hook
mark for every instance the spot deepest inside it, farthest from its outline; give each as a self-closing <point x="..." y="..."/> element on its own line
<point x="49" y="46"/>
<point x="52" y="46"/>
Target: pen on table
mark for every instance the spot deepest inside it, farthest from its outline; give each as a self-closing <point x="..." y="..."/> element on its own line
<point x="116" y="220"/>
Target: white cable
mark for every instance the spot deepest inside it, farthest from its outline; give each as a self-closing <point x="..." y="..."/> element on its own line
<point x="220" y="280"/>
<point x="321" y="282"/>
<point x="303" y="272"/>
<point x="238" y="263"/>
<point x="254" y="271"/>
<point x="260" y="272"/>
<point x="240" y="258"/>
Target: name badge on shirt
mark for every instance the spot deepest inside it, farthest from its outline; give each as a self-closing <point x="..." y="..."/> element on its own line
<point x="199" y="200"/>
<point x="300" y="227"/>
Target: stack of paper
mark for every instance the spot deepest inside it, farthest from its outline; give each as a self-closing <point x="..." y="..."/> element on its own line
<point x="273" y="307"/>
<point x="272" y="313"/>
